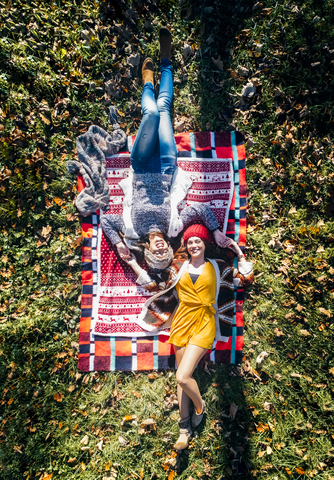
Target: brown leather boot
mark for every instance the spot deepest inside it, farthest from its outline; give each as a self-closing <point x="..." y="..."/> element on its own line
<point x="147" y="71"/>
<point x="165" y="43"/>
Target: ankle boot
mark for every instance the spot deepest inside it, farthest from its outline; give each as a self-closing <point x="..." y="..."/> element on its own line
<point x="147" y="71"/>
<point x="196" y="418"/>
<point x="185" y="434"/>
<point x="165" y="43"/>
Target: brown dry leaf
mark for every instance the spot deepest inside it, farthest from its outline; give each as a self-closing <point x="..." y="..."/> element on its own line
<point x="97" y="387"/>
<point x="84" y="440"/>
<point x="328" y="313"/>
<point x="58" y="397"/>
<point x="136" y="394"/>
<point x="45" y="119"/>
<point x="99" y="445"/>
<point x="233" y="411"/>
<point x="218" y="63"/>
<point x="45" y="231"/>
<point x="71" y="460"/>
<point x="261" y="454"/>
<point x="269" y="450"/>
<point x="305" y="333"/>
<point x="71" y="388"/>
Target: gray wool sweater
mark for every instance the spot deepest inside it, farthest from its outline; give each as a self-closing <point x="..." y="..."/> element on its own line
<point x="151" y="209"/>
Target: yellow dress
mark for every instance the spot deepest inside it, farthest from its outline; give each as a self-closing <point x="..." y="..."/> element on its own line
<point x="194" y="320"/>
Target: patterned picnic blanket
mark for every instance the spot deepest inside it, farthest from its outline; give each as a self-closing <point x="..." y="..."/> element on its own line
<point x="111" y="301"/>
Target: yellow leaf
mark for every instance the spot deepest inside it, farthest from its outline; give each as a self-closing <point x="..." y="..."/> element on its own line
<point x="171" y="475"/>
<point x="60" y="424"/>
<point x="300" y="470"/>
<point x="47" y="477"/>
<point x="11" y="400"/>
<point x="122" y="114"/>
<point x="58" y="201"/>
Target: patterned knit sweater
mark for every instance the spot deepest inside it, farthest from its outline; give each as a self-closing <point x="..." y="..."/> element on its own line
<point x="159" y="310"/>
<point x="149" y="208"/>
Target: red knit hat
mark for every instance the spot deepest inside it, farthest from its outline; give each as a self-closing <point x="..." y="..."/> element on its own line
<point x="196" y="231"/>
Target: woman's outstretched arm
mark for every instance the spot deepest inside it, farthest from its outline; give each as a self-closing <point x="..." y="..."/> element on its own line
<point x="112" y="225"/>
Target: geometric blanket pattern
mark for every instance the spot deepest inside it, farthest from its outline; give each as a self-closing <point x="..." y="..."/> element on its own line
<point x="109" y="338"/>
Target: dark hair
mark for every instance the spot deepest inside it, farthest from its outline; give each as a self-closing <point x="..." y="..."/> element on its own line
<point x="211" y="251"/>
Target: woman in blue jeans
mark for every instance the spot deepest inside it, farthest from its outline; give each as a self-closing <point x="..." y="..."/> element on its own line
<point x="156" y="185"/>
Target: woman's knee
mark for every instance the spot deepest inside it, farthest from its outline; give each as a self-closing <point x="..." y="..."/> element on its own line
<point x="164" y="104"/>
<point x="181" y="378"/>
<point x="151" y="111"/>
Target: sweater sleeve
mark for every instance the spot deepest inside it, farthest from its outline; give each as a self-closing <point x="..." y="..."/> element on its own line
<point x="111" y="225"/>
<point x="201" y="213"/>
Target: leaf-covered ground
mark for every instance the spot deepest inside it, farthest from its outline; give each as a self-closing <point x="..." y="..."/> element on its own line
<point x="265" y="68"/>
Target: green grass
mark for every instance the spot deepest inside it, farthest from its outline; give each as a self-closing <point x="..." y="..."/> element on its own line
<point x="53" y="418"/>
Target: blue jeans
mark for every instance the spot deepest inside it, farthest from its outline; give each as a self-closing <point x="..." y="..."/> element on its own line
<point x="154" y="150"/>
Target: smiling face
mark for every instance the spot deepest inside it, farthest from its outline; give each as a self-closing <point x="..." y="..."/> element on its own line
<point x="196" y="247"/>
<point x="158" y="246"/>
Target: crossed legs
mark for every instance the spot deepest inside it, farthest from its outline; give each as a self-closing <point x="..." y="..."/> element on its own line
<point x="187" y="359"/>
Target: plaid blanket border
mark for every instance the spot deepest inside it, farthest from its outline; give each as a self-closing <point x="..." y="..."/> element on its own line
<point x="98" y="353"/>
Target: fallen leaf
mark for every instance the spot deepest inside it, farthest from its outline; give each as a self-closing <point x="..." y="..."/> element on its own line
<point x="58" y="397"/>
<point x="84" y="440"/>
<point x="328" y="313"/>
<point x="218" y="63"/>
<point x="233" y="411"/>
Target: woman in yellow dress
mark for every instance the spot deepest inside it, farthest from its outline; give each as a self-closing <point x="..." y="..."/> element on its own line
<point x="193" y="328"/>
<point x="201" y="312"/>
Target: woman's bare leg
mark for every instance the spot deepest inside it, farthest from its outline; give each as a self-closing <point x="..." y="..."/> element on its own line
<point x="190" y="358"/>
<point x="182" y="397"/>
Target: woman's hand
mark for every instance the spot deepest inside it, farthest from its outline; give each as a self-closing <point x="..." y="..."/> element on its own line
<point x="123" y="251"/>
<point x="226" y="242"/>
<point x="131" y="260"/>
<point x="222" y="240"/>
